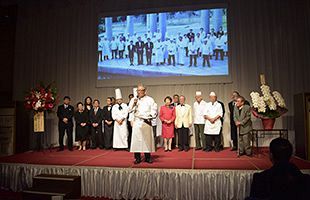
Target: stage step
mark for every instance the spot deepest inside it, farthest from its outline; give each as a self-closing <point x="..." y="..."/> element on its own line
<point x="54" y="187"/>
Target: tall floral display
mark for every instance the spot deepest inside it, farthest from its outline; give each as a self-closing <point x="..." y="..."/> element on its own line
<point x="40" y="99"/>
<point x="268" y="106"/>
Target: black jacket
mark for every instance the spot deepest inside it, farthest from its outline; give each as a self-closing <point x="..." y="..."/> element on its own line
<point x="96" y="118"/>
<point x="282" y="181"/>
<point x="107" y="115"/>
<point x="63" y="112"/>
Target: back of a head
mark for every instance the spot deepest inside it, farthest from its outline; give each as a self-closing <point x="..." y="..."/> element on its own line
<point x="281" y="150"/>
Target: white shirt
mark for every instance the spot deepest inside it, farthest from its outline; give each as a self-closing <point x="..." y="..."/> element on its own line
<point x="192" y="47"/>
<point x="219" y="43"/>
<point x="199" y="112"/>
<point x="113" y="45"/>
<point x="172" y="48"/>
<point x="121" y="46"/>
<point x="206" y="48"/>
<point x="213" y="110"/>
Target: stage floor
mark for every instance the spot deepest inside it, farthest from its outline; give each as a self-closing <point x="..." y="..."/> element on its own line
<point x="192" y="159"/>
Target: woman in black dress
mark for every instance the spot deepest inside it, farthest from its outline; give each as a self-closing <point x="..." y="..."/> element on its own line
<point x="81" y="126"/>
<point x="88" y="105"/>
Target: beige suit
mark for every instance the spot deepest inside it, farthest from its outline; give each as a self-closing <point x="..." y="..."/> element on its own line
<point x="183" y="121"/>
<point x="183" y="116"/>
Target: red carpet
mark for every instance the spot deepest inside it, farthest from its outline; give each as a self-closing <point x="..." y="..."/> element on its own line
<point x="192" y="159"/>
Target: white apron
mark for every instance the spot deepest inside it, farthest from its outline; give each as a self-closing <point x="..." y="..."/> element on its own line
<point x="120" y="132"/>
<point x="213" y="111"/>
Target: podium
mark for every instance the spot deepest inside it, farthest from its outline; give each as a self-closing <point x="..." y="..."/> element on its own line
<point x="302" y="125"/>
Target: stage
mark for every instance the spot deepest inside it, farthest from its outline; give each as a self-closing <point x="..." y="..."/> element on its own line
<point x="173" y="175"/>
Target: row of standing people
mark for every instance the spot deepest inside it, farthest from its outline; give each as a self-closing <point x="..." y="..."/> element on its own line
<point x="173" y="49"/>
<point x="176" y="117"/>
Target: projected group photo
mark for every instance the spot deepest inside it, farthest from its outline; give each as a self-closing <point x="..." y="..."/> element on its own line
<point x="181" y="43"/>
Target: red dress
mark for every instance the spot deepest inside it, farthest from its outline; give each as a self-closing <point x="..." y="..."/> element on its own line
<point x="167" y="113"/>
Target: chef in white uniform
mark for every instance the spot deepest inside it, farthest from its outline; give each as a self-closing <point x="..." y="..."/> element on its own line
<point x="144" y="110"/>
<point x="119" y="115"/>
<point x="212" y="114"/>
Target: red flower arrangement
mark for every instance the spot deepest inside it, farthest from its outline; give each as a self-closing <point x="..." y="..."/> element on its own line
<point x="41" y="98"/>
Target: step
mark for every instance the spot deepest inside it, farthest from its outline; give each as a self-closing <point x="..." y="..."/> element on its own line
<point x="45" y="186"/>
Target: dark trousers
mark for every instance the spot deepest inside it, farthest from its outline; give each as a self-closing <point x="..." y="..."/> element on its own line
<point x="96" y="137"/>
<point x="217" y="52"/>
<point x="216" y="139"/>
<point x="129" y="134"/>
<point x="140" y="57"/>
<point x="131" y="59"/>
<point x="114" y="53"/>
<point x="233" y="134"/>
<point x="149" y="58"/>
<point x="206" y="59"/>
<point x="183" y="138"/>
<point x="146" y="155"/>
<point x="174" y="140"/>
<point x="62" y="130"/>
<point x="191" y="58"/>
<point x="171" y="57"/>
<point x="108" y="136"/>
<point x="121" y="53"/>
<point x="200" y="137"/>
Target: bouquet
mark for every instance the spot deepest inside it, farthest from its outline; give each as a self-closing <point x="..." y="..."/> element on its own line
<point x="269" y="105"/>
<point x="41" y="98"/>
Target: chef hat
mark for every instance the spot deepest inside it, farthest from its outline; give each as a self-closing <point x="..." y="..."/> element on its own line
<point x="212" y="94"/>
<point x="118" y="94"/>
<point x="198" y="93"/>
<point x="135" y="92"/>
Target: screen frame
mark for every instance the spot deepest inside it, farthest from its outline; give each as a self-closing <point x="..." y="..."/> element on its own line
<point x="170" y="80"/>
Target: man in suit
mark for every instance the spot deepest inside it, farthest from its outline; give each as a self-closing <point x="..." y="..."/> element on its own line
<point x="130" y="96"/>
<point x="131" y="51"/>
<point x="222" y="121"/>
<point x="190" y="35"/>
<point x="233" y="127"/>
<point x="242" y="118"/>
<point x="283" y="180"/>
<point x="149" y="51"/>
<point x="108" y="124"/>
<point x="183" y="122"/>
<point x="65" y="114"/>
<point x="139" y="48"/>
<point x="176" y="101"/>
<point x="96" y="117"/>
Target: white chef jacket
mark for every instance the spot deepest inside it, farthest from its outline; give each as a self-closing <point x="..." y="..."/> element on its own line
<point x="213" y="110"/>
<point x="199" y="112"/>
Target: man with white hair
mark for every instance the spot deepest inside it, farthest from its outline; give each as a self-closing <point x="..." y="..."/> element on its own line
<point x="119" y="115"/>
<point x="213" y="113"/>
<point x="144" y="110"/>
<point x="199" y="121"/>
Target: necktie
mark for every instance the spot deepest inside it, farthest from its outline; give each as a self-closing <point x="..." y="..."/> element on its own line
<point x="120" y="107"/>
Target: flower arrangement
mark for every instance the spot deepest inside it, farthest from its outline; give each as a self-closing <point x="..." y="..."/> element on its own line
<point x="270" y="105"/>
<point x="41" y="98"/>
